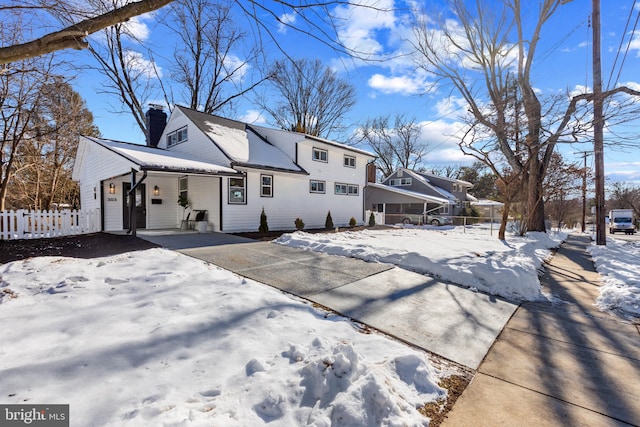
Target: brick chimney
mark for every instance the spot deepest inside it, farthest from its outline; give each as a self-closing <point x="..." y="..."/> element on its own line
<point x="156" y="121"/>
<point x="371" y="172"/>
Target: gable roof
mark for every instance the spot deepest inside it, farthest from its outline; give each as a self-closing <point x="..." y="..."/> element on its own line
<point x="266" y="132"/>
<point x="148" y="158"/>
<point x="415" y="194"/>
<point x="423" y="178"/>
<point x="427" y="176"/>
<point x="240" y="143"/>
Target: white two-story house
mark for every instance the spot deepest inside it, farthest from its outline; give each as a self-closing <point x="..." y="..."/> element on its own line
<point x="228" y="170"/>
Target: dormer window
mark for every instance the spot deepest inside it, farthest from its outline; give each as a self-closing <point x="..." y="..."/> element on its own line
<point x="399" y="182"/>
<point x="177" y="136"/>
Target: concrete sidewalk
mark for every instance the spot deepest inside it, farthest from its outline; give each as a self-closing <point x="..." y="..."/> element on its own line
<point x="558" y="364"/>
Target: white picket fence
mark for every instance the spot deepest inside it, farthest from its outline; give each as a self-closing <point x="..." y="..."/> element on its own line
<point x="26" y="224"/>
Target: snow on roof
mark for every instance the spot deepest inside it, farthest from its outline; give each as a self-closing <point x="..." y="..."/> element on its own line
<point x="486" y="202"/>
<point x="150" y="158"/>
<point x="426" y="175"/>
<point x="239" y="144"/>
<point x="411" y="193"/>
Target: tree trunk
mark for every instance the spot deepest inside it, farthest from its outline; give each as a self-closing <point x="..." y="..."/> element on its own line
<point x="535" y="206"/>
<point x="503" y="222"/>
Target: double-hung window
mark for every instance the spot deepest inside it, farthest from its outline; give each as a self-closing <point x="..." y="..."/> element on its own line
<point x="316" y="186"/>
<point x="237" y="190"/>
<point x="320" y="155"/>
<point x="266" y="185"/>
<point x="183" y="188"/>
<point x="346" y="189"/>
<point x="349" y="161"/>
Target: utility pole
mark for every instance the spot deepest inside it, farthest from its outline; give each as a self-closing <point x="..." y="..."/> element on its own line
<point x="598" y="125"/>
<point x="584" y="187"/>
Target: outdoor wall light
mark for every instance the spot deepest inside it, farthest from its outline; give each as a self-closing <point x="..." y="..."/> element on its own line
<point x="112" y="188"/>
<point x="156" y="191"/>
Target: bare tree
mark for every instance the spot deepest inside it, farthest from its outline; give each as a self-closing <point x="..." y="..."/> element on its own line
<point x="73" y="36"/>
<point x="20" y="96"/>
<point x="313" y="99"/>
<point x="494" y="76"/>
<point x="48" y="156"/>
<point x="625" y="196"/>
<point x="562" y="190"/>
<point x="397" y="145"/>
<point x="205" y="65"/>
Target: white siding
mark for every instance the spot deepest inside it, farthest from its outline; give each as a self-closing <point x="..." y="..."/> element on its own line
<point x="93" y="168"/>
<point x="198" y="144"/>
<point x="204" y="193"/>
<point x="165" y="215"/>
<point x="291" y="199"/>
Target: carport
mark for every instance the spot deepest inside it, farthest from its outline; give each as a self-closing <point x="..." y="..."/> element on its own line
<point x="398" y="204"/>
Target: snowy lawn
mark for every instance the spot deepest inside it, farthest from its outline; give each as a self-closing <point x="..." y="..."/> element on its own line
<point x="472" y="257"/>
<point x="619" y="265"/>
<point x="158" y="338"/>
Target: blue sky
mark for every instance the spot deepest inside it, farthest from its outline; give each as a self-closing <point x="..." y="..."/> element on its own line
<point x="394" y="86"/>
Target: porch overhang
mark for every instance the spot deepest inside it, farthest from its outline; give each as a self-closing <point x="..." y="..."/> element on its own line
<point x="412" y="194"/>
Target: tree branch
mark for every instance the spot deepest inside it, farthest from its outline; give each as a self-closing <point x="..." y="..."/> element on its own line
<point x="73" y="37"/>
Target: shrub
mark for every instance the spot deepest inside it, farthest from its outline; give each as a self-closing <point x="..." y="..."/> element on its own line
<point x="328" y="223"/>
<point x="372" y="220"/>
<point x="264" y="227"/>
<point x="299" y="224"/>
<point x="352" y="222"/>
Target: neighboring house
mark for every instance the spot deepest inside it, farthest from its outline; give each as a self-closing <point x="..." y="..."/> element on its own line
<point x="407" y="195"/>
<point x="228" y="170"/>
<point x="486" y="208"/>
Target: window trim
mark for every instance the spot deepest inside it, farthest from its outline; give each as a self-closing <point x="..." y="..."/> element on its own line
<point x="351" y="159"/>
<point x="341" y="185"/>
<point x="184" y="179"/>
<point x="263" y="185"/>
<point x="324" y="186"/>
<point x="244" y="191"/>
<point x="176" y="134"/>
<point x="404" y="182"/>
<point x="315" y="150"/>
<point x="349" y="189"/>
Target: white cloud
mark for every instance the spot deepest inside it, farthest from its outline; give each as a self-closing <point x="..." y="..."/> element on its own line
<point x="632" y="85"/>
<point x="253" y="116"/>
<point x="416" y="83"/>
<point x="239" y="68"/>
<point x="137" y="28"/>
<point x="286" y="19"/>
<point x="364" y="21"/>
<point x="141" y="65"/>
<point x="451" y="106"/>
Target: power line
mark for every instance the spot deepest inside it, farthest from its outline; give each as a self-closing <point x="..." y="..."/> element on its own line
<point x="635" y="25"/>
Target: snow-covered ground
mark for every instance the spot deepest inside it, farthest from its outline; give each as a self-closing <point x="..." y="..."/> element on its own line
<point x="158" y="338"/>
<point x="471" y="256"/>
<point x="619" y="265"/>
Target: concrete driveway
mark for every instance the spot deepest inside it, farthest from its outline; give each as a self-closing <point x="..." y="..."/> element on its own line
<point x="439" y="317"/>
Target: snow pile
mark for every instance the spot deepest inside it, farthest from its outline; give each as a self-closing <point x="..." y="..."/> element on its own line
<point x="619" y="265"/>
<point x="158" y="338"/>
<point x="470" y="257"/>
